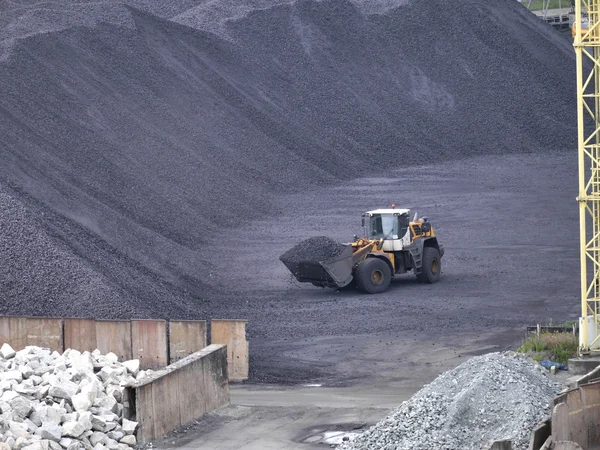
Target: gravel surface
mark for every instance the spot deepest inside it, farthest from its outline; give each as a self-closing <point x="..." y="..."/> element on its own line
<point x="122" y="130"/>
<point x="491" y="397"/>
<point x="319" y="248"/>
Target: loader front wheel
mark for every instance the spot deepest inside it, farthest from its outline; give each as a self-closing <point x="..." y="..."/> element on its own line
<point x="373" y="276"/>
<point x="432" y="266"/>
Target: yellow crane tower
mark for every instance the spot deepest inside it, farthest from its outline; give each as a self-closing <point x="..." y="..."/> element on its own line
<point x="586" y="32"/>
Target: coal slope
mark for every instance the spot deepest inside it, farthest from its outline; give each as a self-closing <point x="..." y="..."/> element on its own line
<point x="126" y="148"/>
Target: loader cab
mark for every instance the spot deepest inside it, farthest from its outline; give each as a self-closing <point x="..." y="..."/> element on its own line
<point x="391" y="225"/>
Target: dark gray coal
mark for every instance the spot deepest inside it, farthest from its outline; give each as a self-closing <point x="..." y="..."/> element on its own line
<point x="314" y="249"/>
<point x="128" y="141"/>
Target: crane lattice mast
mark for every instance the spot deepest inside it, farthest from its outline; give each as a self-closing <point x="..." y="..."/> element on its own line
<point x="587" y="48"/>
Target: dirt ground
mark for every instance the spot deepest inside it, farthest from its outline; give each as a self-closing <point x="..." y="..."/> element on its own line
<point x="509" y="227"/>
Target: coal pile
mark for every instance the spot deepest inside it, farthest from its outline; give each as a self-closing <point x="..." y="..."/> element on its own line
<point x="122" y="128"/>
<point x="314" y="249"/>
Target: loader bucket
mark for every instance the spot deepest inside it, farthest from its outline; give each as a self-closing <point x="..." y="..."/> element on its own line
<point x="336" y="272"/>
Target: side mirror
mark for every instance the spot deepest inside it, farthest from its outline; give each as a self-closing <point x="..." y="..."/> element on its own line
<point x="426" y="227"/>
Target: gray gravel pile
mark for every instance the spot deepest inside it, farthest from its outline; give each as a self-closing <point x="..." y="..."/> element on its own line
<point x="319" y="248"/>
<point x="490" y="397"/>
<point x="71" y="401"/>
<point x="126" y="139"/>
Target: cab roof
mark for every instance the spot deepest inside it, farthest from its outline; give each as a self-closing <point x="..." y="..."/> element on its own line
<point x="398" y="211"/>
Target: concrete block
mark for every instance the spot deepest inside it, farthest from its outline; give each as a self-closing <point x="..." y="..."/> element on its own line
<point x="584" y="365"/>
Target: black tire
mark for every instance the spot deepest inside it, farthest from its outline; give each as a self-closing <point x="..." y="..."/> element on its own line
<point x="373" y="276"/>
<point x="432" y="266"/>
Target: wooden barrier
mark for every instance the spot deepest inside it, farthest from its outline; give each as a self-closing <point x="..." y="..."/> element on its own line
<point x="14" y="331"/>
<point x="149" y="343"/>
<point x="577" y="417"/>
<point x="114" y="336"/>
<point x="232" y="333"/>
<point x="80" y="334"/>
<point x="45" y="332"/>
<point x="180" y="393"/>
<point x="185" y="338"/>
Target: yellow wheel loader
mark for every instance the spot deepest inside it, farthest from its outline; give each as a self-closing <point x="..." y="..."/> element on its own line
<point x="393" y="245"/>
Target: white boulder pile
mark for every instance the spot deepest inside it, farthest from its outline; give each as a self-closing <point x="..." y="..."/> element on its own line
<point x="491" y="397"/>
<point x="72" y="401"/>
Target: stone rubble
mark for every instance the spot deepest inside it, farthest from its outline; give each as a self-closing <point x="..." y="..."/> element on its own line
<point x="72" y="401"/>
<point x="489" y="397"/>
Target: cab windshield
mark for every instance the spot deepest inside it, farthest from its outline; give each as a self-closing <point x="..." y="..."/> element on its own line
<point x="382" y="226"/>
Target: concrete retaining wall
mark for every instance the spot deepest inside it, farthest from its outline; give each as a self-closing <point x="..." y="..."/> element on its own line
<point x="180" y="393"/>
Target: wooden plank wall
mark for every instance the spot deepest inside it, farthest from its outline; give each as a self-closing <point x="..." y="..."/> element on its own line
<point x="183" y="392"/>
<point x="186" y="337"/>
<point x="155" y="343"/>
<point x="149" y="343"/>
<point x="232" y="333"/>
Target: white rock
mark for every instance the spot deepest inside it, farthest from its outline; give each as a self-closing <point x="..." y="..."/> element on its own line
<point x="116" y="392"/>
<point x="46" y="414"/>
<point x="65" y="442"/>
<point x="73" y="429"/>
<point x="26" y="371"/>
<point x="4" y="446"/>
<point x="107" y="373"/>
<point x="21" y="406"/>
<point x="111" y="357"/>
<point x="40" y="445"/>
<point x="129" y="440"/>
<point x="75" y="446"/>
<point x="20" y="442"/>
<point x="50" y="431"/>
<point x="65" y="389"/>
<point x="10" y="441"/>
<point x="141" y="374"/>
<point x="129" y="426"/>
<point x="69" y="417"/>
<point x="31" y="427"/>
<point x="98" y="438"/>
<point x="7" y="352"/>
<point x="116" y="434"/>
<point x="11" y="375"/>
<point x="7" y="385"/>
<point x="18" y="429"/>
<point x="85" y="418"/>
<point x="54" y="445"/>
<point x="99" y="447"/>
<point x="83" y="362"/>
<point x="83" y="401"/>
<point x="36" y="380"/>
<point x="108" y="403"/>
<point x="112" y="444"/>
<point x="122" y="447"/>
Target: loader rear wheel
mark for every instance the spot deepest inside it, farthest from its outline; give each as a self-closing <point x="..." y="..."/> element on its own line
<point x="432" y="266"/>
<point x="373" y="276"/>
